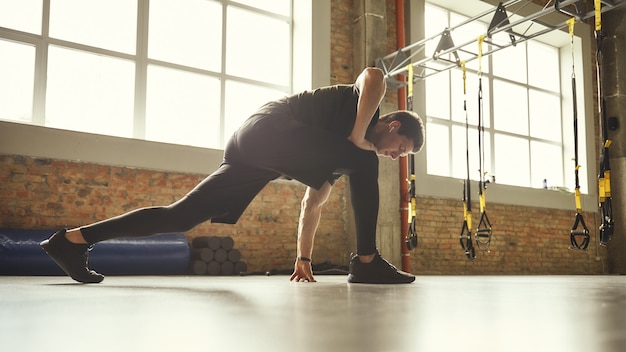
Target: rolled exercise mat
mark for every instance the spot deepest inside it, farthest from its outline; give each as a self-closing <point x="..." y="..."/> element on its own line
<point x="198" y="267"/>
<point x="200" y="242"/>
<point x="204" y="254"/>
<point x="240" y="267"/>
<point x="214" y="243"/>
<point x="234" y="255"/>
<point x="20" y="253"/>
<point x="227" y="268"/>
<point x="214" y="268"/>
<point x="221" y="255"/>
<point x="164" y="254"/>
<point x="227" y="243"/>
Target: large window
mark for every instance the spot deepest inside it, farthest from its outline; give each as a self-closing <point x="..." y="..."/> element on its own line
<point x="527" y="141"/>
<point x="163" y="70"/>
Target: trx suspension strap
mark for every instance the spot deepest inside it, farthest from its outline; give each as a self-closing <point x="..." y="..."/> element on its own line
<point x="604" y="176"/>
<point x="483" y="231"/>
<point x="579" y="235"/>
<point x="411" y="237"/>
<point x="466" y="230"/>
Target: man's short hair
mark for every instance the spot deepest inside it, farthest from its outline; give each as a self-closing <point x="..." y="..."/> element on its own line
<point x="411" y="125"/>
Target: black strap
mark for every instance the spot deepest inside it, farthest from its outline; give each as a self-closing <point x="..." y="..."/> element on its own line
<point x="467" y="242"/>
<point x="484" y="234"/>
<point x="466" y="232"/>
<point x="604" y="176"/>
<point x="411" y="236"/>
<point x="579" y="236"/>
<point x="483" y="230"/>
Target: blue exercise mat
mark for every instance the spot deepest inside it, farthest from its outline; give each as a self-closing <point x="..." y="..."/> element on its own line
<point x="164" y="254"/>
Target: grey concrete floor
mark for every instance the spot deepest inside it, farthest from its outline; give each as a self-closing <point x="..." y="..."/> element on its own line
<point x="259" y="313"/>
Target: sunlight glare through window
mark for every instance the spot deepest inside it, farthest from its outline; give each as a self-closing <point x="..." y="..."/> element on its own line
<point x="90" y="93"/>
<point x="16" y="81"/>
<point x="22" y="15"/>
<point x="259" y="52"/>
<point x="188" y="35"/>
<point x="182" y="107"/>
<point x="110" y="24"/>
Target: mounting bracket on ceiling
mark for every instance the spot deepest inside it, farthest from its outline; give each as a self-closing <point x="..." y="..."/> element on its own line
<point x="500" y="18"/>
<point x="517" y="28"/>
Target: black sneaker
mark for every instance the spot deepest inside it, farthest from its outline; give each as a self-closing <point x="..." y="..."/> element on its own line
<point x="378" y="271"/>
<point x="71" y="257"/>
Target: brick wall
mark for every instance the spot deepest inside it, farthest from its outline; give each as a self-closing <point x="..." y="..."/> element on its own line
<point x="525" y="241"/>
<point x="44" y="193"/>
<point x="41" y="193"/>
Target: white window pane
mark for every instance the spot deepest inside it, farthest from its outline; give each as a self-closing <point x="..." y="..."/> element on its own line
<point x="510" y="62"/>
<point x="545" y="115"/>
<point x="438" y="96"/>
<point x="487" y="167"/>
<point x="546" y="163"/>
<point x="189" y="35"/>
<point x="21" y="15"/>
<point x="437" y="149"/>
<point x="243" y="100"/>
<point x="182" y="108"/>
<point x="435" y="21"/>
<point x="543" y="66"/>
<point x="459" y="155"/>
<point x="257" y="47"/>
<point x="510" y="107"/>
<point x="110" y="24"/>
<point x="90" y="93"/>
<point x="459" y="160"/>
<point x="16" y="81"/>
<point x="282" y="7"/>
<point x="512" y="160"/>
<point x="458" y="114"/>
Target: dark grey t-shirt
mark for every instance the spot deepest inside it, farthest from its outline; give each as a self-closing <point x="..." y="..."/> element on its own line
<point x="330" y="108"/>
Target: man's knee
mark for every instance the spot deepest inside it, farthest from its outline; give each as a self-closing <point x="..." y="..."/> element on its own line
<point x="316" y="198"/>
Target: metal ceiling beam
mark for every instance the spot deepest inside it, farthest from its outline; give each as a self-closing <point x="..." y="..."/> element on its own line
<point x="397" y="62"/>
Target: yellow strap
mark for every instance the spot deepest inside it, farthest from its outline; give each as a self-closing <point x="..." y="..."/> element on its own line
<point x="602" y="189"/>
<point x="481" y="39"/>
<point x="597" y="4"/>
<point x="604" y="182"/>
<point x="467" y="215"/>
<point x="483" y="201"/>
<point x="570" y="25"/>
<point x="578" y="203"/>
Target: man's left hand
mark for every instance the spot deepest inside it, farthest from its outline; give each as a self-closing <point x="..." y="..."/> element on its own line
<point x="302" y="272"/>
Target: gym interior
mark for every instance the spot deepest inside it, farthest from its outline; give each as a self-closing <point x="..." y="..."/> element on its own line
<point x="512" y="215"/>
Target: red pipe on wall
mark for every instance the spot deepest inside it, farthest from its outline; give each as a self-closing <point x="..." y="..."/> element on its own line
<point x="404" y="169"/>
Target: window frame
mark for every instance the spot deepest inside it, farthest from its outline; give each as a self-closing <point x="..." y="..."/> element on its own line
<point x="42" y="42"/>
<point x="311" y="68"/>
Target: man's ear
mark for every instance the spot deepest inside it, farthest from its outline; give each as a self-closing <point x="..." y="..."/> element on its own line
<point x="394" y="125"/>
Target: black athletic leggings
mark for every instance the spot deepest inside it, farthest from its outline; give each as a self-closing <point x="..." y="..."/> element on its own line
<point x="263" y="149"/>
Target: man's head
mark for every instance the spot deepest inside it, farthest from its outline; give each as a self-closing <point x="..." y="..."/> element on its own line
<point x="398" y="133"/>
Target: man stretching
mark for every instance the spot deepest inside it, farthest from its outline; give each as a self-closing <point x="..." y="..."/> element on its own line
<point x="313" y="137"/>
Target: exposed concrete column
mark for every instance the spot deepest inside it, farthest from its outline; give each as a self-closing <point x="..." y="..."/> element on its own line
<point x="370" y="42"/>
<point x="370" y="33"/>
<point x="614" y="75"/>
